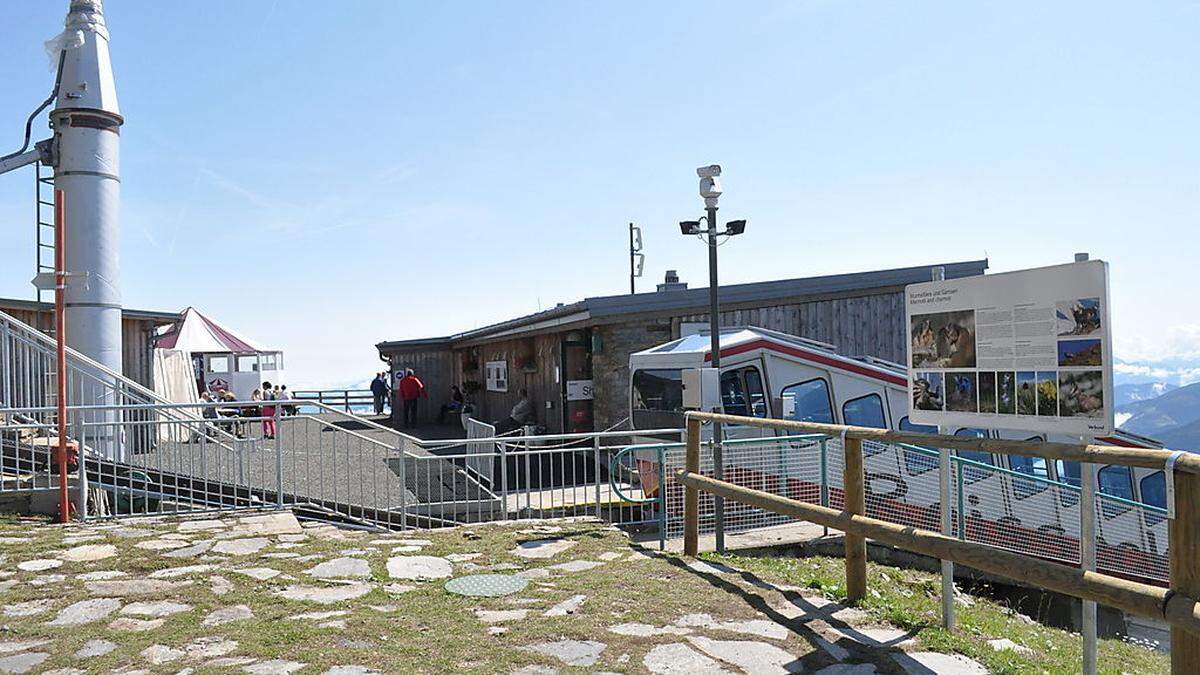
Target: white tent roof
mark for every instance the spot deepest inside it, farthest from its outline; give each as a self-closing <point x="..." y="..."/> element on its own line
<point x="196" y="333"/>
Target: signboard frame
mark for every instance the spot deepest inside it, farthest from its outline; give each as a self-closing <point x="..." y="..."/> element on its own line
<point x="1030" y="337"/>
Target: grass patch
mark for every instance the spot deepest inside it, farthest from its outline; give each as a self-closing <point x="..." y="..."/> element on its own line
<point x="911" y="600"/>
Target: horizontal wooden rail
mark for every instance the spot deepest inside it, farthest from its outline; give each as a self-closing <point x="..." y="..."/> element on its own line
<point x="1070" y="452"/>
<point x="1141" y="599"/>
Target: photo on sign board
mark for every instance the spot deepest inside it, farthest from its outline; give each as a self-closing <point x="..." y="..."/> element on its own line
<point x="1047" y="394"/>
<point x="1026" y="393"/>
<point x="1079" y="353"/>
<point x="1081" y="393"/>
<point x="943" y="340"/>
<point x="987" y="392"/>
<point x="1006" y="393"/>
<point x="928" y="391"/>
<point x="1078" y="317"/>
<point x="962" y="392"/>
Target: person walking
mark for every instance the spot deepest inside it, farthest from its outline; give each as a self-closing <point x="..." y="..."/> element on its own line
<point x="379" y="391"/>
<point x="411" y="389"/>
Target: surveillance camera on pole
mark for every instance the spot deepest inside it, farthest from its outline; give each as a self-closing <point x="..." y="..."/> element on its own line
<point x="710" y="184"/>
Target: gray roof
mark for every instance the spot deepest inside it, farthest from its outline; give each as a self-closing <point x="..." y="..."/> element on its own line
<point x="126" y="312"/>
<point x="603" y="309"/>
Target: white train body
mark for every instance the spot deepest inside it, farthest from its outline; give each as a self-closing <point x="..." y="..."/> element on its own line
<point x="770" y="374"/>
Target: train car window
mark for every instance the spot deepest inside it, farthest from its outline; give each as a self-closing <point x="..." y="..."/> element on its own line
<point x="218" y="364"/>
<point x="733" y="396"/>
<point x="1068" y="472"/>
<point x="865" y="411"/>
<point x="972" y="473"/>
<point x="1154" y="493"/>
<point x="917" y="462"/>
<point x="809" y="402"/>
<point x="657" y="398"/>
<point x="754" y="393"/>
<point x="1116" y="481"/>
<point x="1031" y="466"/>
<point x="907" y="425"/>
<point x="968" y="432"/>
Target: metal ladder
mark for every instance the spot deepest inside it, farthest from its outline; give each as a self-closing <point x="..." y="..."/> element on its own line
<point x="44" y="261"/>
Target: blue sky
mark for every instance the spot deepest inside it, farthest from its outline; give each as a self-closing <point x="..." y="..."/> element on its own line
<point x="323" y="176"/>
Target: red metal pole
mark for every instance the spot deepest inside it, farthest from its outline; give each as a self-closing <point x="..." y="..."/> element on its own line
<point x="60" y="338"/>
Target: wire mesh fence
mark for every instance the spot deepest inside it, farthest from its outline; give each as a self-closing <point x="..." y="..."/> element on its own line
<point x="1017" y="510"/>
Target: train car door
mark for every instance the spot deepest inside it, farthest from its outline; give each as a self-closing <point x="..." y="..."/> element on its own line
<point x="982" y="491"/>
<point x="863" y="405"/>
<point x="1152" y="486"/>
<point x="1119" y="523"/>
<point x="744" y="393"/>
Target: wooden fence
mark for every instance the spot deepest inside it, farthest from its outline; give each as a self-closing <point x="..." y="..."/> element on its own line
<point x="1176" y="605"/>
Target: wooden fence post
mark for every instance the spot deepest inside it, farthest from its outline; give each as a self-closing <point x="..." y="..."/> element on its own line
<point x="1184" y="548"/>
<point x="856" y="545"/>
<point x="691" y="495"/>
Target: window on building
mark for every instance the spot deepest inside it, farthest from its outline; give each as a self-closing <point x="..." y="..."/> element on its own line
<point x="1030" y="466"/>
<point x="218" y="364"/>
<point x="808" y="402"/>
<point x="247" y="364"/>
<point x="1154" y="493"/>
<point x="268" y="362"/>
<point x="1116" y="481"/>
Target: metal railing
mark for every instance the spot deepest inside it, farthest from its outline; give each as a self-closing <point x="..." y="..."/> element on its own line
<point x="346" y="400"/>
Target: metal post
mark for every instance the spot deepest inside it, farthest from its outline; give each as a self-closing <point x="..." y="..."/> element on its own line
<point x="403" y="474"/>
<point x="278" y="455"/>
<point x="503" y="446"/>
<point x="945" y="493"/>
<point x="82" y="498"/>
<point x="824" y="480"/>
<point x="60" y="340"/>
<point x="691" y="495"/>
<point x="714" y="326"/>
<point x="596" y="454"/>
<point x="632" y="253"/>
<point x="1087" y="559"/>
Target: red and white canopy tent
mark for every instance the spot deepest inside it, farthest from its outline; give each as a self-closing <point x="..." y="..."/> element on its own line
<point x="219" y="357"/>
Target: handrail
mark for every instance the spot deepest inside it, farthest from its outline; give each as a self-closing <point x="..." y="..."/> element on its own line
<point x="1143" y="599"/>
<point x="1074" y="452"/>
<point x="613" y="463"/>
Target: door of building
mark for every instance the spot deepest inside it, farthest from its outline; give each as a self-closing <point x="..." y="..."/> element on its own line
<point x="577" y="390"/>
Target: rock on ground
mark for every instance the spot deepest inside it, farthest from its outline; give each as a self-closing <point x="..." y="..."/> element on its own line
<point x="341" y="568"/>
<point x="750" y="656"/>
<point x="680" y="659"/>
<point x="419" y="567"/>
<point x="85" y="611"/>
<point x="323" y="595"/>
<point x="227" y="615"/>
<point x="22" y="663"/>
<point x="570" y="652"/>
<point x="540" y="549"/>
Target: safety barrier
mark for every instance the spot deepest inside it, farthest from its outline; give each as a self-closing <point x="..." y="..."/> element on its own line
<point x="853" y="515"/>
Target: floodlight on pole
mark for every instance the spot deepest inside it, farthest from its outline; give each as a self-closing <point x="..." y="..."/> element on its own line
<point x="735" y="227"/>
<point x="688" y="227"/>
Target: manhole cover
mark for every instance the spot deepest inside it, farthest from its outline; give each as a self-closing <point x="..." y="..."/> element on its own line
<point x="486" y="585"/>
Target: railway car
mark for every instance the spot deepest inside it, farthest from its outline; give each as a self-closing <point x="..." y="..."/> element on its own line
<point x="1024" y="503"/>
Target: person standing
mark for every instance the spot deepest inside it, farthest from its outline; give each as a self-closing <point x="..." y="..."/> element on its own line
<point x="379" y="391"/>
<point x="411" y="389"/>
<point x="268" y="411"/>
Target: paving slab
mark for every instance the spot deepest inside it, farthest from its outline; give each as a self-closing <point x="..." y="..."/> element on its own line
<point x="541" y="549"/>
<point x="245" y="546"/>
<point x="88" y="553"/>
<point x="210" y="647"/>
<point x="10" y="646"/>
<point x="260" y="573"/>
<point x="576" y="566"/>
<point x="131" y="625"/>
<point x="273" y="667"/>
<point x="200" y="525"/>
<point x="324" y="595"/>
<point x="500" y="615"/>
<point x="569" y="606"/>
<point x="341" y="568"/>
<point x="225" y="615"/>
<point x="85" y="611"/>
<point x="647" y="630"/>
<point x="22" y="663"/>
<point x="154" y="609"/>
<point x="419" y="567"/>
<point x="680" y="659"/>
<point x="924" y="663"/>
<point x="127" y="587"/>
<point x="39" y="565"/>
<point x="30" y="608"/>
<point x="197" y="549"/>
<point x="220" y="585"/>
<point x="94" y="648"/>
<point x="750" y="656"/>
<point x="570" y="652"/>
<point x="173" y="572"/>
<point x="848" y="669"/>
<point x="161" y="544"/>
<point x="159" y="654"/>
<point x="350" y="670"/>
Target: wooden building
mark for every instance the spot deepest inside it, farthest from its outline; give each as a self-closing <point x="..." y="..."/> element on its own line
<point x="574" y="359"/>
<point x="137" y="331"/>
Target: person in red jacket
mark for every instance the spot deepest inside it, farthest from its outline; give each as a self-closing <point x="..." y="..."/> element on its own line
<point x="411" y="389"/>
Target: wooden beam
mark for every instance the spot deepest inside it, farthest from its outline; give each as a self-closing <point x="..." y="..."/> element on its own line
<point x="1179" y="610"/>
<point x="856" y="503"/>
<point x="691" y="495"/>
<point x="1071" y="452"/>
<point x="1184" y="548"/>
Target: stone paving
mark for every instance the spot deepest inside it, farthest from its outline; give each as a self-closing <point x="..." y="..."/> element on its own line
<point x="218" y="595"/>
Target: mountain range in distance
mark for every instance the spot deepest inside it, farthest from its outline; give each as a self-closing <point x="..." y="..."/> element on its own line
<point x="1172" y="417"/>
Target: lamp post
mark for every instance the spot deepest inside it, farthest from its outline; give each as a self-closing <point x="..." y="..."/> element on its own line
<point x="710" y="190"/>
